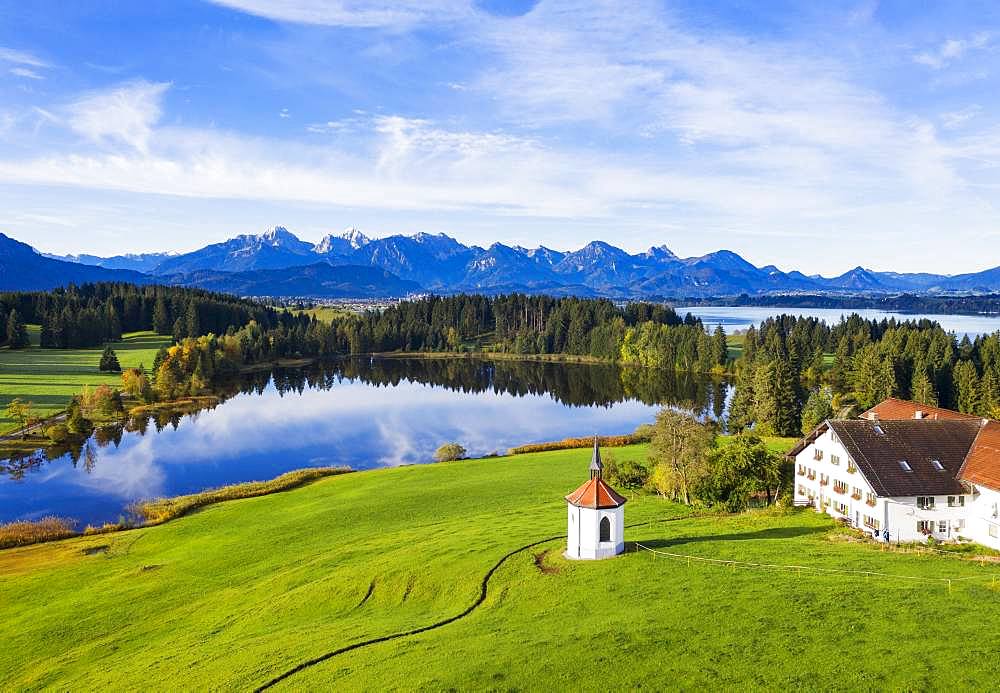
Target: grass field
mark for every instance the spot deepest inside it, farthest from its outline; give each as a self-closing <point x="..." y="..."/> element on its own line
<point x="49" y="377"/>
<point x="324" y="313"/>
<point x="237" y="593"/>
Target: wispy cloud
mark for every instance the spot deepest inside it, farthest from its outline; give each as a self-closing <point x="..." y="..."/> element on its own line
<point x="951" y="50"/>
<point x="355" y="13"/>
<point x="21" y="57"/>
<point x="26" y="72"/>
<point x="125" y="113"/>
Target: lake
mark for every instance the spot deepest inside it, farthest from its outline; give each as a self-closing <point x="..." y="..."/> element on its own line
<point x="733" y="318"/>
<point x="363" y="413"/>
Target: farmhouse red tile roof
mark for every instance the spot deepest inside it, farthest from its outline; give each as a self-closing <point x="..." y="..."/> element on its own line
<point x="982" y="466"/>
<point x="894" y="409"/>
<point x="596" y="494"/>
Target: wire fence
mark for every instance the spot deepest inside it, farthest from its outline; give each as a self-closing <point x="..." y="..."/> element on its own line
<point x="867" y="574"/>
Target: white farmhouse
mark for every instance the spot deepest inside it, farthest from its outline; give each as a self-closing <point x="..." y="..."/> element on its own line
<point x="595" y="523"/>
<point x="905" y="472"/>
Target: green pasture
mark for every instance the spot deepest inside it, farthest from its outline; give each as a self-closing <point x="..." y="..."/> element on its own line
<point x="48" y="378"/>
<point x="237" y="593"/>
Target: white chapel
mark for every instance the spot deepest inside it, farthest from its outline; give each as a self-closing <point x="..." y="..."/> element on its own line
<point x="595" y="517"/>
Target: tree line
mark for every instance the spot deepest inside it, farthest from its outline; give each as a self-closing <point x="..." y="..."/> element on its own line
<point x="796" y="371"/>
<point x="92" y="314"/>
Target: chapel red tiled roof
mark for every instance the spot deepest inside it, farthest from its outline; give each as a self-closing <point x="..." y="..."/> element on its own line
<point x="596" y="494"/>
<point x="893" y="409"/>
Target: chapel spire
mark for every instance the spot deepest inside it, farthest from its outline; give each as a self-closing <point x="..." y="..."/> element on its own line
<point x="596" y="468"/>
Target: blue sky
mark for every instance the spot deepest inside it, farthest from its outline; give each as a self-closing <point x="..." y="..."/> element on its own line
<point x="815" y="136"/>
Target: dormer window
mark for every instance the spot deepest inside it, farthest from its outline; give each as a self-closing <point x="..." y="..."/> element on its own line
<point x="905" y="466"/>
<point x="937" y="465"/>
<point x="878" y="429"/>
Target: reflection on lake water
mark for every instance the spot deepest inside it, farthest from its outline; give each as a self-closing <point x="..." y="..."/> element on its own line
<point x="362" y="413"/>
<point x="733" y="318"/>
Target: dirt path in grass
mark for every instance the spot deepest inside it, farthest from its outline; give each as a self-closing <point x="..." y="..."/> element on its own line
<point x="483" y="588"/>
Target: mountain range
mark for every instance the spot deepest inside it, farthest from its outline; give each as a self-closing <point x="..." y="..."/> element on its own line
<point x="277" y="263"/>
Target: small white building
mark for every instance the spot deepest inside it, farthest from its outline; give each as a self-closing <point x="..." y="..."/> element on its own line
<point x="905" y="472"/>
<point x="595" y="524"/>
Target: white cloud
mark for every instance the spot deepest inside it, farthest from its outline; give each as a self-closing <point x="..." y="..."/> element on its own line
<point x="125" y="113"/>
<point x="951" y="50"/>
<point x="19" y="57"/>
<point x="355" y="13"/>
<point x="25" y="72"/>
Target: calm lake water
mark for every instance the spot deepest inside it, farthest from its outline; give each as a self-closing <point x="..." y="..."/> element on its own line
<point x="734" y="318"/>
<point x="362" y="413"/>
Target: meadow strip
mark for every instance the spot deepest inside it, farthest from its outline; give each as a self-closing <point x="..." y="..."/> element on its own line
<point x="160" y="510"/>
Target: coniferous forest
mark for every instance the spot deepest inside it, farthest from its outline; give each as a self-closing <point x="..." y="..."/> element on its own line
<point x="792" y="372"/>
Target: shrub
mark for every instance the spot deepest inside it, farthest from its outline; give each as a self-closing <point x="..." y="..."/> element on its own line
<point x="35" y="531"/>
<point x="58" y="433"/>
<point x="449" y="452"/>
<point x="572" y="443"/>
<point x="628" y="473"/>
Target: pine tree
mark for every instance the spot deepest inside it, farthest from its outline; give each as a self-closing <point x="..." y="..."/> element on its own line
<point x="922" y="388"/>
<point x="720" y="347"/>
<point x="161" y="316"/>
<point x="109" y="361"/>
<point x="17" y="333"/>
<point x="966" y="381"/>
<point x="193" y="324"/>
<point x="818" y="408"/>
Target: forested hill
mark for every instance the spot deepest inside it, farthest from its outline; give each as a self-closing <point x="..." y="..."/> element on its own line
<point x="92" y="314"/>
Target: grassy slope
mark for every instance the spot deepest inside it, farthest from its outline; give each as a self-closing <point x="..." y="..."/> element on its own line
<point x="239" y="592"/>
<point x="49" y="377"/>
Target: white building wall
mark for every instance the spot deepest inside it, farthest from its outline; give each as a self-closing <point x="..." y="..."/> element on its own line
<point x="583" y="532"/>
<point x="982" y="523"/>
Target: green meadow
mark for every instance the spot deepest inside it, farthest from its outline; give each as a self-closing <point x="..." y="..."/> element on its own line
<point x="48" y="378"/>
<point x="240" y="592"/>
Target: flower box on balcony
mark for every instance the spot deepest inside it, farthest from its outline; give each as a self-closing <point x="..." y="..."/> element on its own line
<point x="851" y="469"/>
<point x="856" y="496"/>
<point x="811" y="477"/>
<point x="839" y="489"/>
<point x="870" y="502"/>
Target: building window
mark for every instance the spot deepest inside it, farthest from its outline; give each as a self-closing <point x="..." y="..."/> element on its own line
<point x="802" y="470"/>
<point x="851" y="467"/>
<point x="839" y="486"/>
<point x="834" y="459"/>
<point x="994" y="531"/>
<point x="942" y="526"/>
<point x="925" y="502"/>
<point x="841" y="508"/>
<point x="870" y="499"/>
<point x="871" y="523"/>
<point x="605" y="529"/>
<point x="905" y="465"/>
<point x="956" y="502"/>
<point x="925" y="526"/>
<point x="937" y="465"/>
<point x="817" y="454"/>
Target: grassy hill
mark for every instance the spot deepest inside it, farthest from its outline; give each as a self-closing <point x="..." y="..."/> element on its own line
<point x="49" y="377"/>
<point x="238" y="593"/>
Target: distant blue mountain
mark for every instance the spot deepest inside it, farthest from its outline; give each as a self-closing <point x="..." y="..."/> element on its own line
<point x="439" y="263"/>
<point x="22" y="268"/>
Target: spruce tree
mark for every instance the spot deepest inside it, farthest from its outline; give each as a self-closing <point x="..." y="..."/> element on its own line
<point x="161" y="316"/>
<point x="109" y="361"/>
<point x="17" y="333"/>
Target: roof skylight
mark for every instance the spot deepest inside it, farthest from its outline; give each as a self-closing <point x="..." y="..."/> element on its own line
<point x="905" y="465"/>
